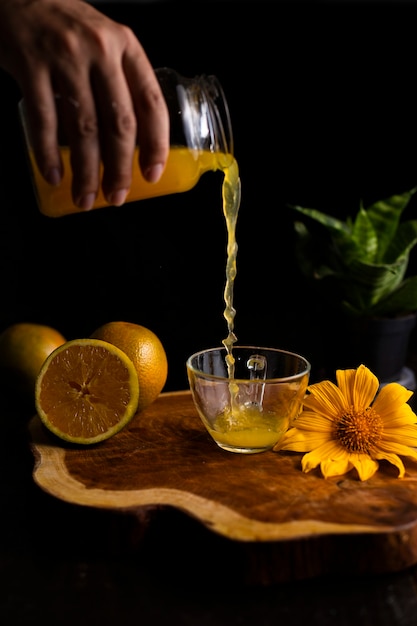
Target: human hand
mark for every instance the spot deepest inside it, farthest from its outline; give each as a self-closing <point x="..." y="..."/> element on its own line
<point x="76" y="66"/>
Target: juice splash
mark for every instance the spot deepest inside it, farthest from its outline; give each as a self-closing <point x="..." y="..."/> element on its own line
<point x="183" y="170"/>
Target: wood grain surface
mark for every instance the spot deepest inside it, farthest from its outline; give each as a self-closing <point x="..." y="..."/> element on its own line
<point x="165" y="457"/>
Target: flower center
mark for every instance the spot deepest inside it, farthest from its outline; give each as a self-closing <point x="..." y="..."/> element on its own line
<point x="359" y="430"/>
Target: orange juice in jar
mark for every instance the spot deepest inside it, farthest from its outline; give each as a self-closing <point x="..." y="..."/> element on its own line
<point x="200" y="136"/>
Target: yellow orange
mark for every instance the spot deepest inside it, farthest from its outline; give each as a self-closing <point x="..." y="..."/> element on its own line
<point x="23" y="350"/>
<point x="87" y="391"/>
<point x="146" y="352"/>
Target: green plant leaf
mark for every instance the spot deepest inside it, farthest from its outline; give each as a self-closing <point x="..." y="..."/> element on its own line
<point x="373" y="282"/>
<point x="385" y="215"/>
<point x="309" y="253"/>
<point x="401" y="301"/>
<point x="340" y="232"/>
<point x="365" y="237"/>
<point x="362" y="262"/>
<point x="404" y="241"/>
<point x="331" y="223"/>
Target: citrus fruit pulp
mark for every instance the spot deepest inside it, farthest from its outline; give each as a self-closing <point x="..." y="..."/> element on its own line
<point x="146" y="352"/>
<point x="87" y="391"/>
<point x="23" y="349"/>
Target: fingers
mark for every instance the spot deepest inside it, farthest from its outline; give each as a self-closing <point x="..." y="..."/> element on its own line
<point x="117" y="145"/>
<point x="89" y="78"/>
<point x="150" y="110"/>
<point x="79" y="131"/>
<point x="153" y="129"/>
<point x="42" y="127"/>
<point x="117" y="126"/>
<point x="105" y="114"/>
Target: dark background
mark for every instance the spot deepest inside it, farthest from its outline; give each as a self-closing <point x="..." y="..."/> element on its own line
<point x="323" y="105"/>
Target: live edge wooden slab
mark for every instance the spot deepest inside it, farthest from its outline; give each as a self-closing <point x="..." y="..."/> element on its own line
<point x="291" y="524"/>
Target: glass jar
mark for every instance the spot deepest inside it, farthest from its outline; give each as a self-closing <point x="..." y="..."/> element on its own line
<point x="200" y="138"/>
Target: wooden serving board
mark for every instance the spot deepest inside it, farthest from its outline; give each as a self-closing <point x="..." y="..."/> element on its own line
<point x="264" y="502"/>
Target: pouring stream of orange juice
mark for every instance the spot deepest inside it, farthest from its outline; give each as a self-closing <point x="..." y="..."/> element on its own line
<point x="239" y="426"/>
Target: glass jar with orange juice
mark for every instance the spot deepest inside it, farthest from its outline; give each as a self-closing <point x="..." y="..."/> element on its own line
<point x="200" y="137"/>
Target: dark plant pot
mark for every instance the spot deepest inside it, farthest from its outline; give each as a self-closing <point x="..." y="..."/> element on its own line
<point x="382" y="344"/>
<point x="379" y="343"/>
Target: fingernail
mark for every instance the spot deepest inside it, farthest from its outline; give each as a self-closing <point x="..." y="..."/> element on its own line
<point x="86" y="202"/>
<point x="53" y="176"/>
<point x="153" y="174"/>
<point x="117" y="198"/>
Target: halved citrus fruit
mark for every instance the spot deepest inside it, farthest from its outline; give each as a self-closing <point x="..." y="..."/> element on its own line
<point x="146" y="352"/>
<point x="87" y="391"/>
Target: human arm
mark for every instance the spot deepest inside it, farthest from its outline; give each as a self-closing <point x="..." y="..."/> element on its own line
<point x="73" y="63"/>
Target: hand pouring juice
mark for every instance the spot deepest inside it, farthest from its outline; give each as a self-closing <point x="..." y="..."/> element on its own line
<point x="200" y="136"/>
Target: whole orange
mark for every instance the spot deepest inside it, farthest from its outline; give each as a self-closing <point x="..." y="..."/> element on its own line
<point x="23" y="349"/>
<point x="145" y="350"/>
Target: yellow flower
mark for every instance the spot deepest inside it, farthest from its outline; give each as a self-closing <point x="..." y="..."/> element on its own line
<point x="351" y="424"/>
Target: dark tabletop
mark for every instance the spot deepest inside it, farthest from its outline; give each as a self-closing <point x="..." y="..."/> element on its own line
<point x="67" y="564"/>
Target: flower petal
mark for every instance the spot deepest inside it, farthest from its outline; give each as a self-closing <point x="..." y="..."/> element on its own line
<point x="326" y="399"/>
<point x="309" y="420"/>
<point x="316" y="405"/>
<point x="328" y="453"/>
<point x="402" y="416"/>
<point x="396" y="448"/>
<point x="394" y="460"/>
<point x="365" y="388"/>
<point x="359" y="386"/>
<point x="345" y="381"/>
<point x="364" y="464"/>
<point x="406" y="435"/>
<point x="392" y="398"/>
<point x="336" y="467"/>
<point x="301" y="440"/>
